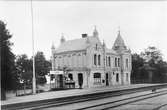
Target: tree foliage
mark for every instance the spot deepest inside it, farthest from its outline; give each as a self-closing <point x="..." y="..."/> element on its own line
<point x="42" y="67"/>
<point x="150" y="58"/>
<point x="152" y="55"/>
<point x="7" y="59"/>
<point x="8" y="76"/>
<point x="137" y="63"/>
<point x="24" y="69"/>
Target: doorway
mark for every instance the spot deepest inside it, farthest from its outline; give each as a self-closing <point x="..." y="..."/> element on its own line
<point x="107" y="83"/>
<point x="61" y="81"/>
<point x="80" y="80"/>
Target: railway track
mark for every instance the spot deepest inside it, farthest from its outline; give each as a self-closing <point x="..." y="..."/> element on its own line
<point x="117" y="103"/>
<point x="76" y="99"/>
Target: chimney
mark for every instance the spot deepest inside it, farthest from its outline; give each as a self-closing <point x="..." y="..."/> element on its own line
<point x="84" y="35"/>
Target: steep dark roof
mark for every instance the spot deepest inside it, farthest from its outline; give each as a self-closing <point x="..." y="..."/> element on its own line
<point x="76" y="44"/>
<point x="119" y="43"/>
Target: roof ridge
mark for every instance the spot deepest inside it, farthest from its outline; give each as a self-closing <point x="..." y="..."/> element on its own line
<point x="80" y="38"/>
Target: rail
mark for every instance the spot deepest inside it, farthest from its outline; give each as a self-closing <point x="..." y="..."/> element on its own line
<point x="78" y="98"/>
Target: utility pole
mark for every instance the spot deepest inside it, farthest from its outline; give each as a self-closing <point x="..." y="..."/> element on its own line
<point x="34" y="77"/>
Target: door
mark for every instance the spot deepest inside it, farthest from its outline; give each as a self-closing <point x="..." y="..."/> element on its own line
<point x="80" y="80"/>
<point x="61" y="81"/>
<point x="107" y="83"/>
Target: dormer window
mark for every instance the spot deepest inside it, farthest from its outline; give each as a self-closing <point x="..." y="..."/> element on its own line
<point x="96" y="46"/>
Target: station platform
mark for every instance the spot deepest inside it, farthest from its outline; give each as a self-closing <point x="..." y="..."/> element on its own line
<point x="68" y="93"/>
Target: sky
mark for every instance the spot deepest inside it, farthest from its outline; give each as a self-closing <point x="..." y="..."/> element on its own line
<point x="142" y="23"/>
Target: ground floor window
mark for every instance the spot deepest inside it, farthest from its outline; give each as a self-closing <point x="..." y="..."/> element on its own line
<point x="52" y="76"/>
<point x="117" y="77"/>
<point x="70" y="76"/>
<point x="97" y="78"/>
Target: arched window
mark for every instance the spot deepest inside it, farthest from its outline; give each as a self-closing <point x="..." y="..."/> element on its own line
<point x="109" y="61"/>
<point x="70" y="76"/>
<point x="115" y="62"/>
<point x="99" y="59"/>
<point x="97" y="78"/>
<point x="118" y="62"/>
<point x="96" y="46"/>
<point x="95" y="59"/>
<point x="127" y="63"/>
<point x="106" y="61"/>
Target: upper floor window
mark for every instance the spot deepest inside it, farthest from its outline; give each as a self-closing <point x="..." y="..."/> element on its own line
<point x="106" y="61"/>
<point x="96" y="46"/>
<point x="127" y="63"/>
<point x="115" y="62"/>
<point x="95" y="59"/>
<point x="99" y="59"/>
<point x="118" y="62"/>
<point x="109" y="61"/>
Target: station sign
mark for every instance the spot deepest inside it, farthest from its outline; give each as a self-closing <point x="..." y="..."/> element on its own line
<point x="56" y="72"/>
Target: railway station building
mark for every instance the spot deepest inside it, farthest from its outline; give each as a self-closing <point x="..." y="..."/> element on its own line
<point x="89" y="63"/>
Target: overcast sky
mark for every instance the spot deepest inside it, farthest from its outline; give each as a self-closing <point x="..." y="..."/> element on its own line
<point x="142" y="24"/>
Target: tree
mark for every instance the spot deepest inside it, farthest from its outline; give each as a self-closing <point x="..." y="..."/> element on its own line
<point x="160" y="74"/>
<point x="24" y="69"/>
<point x="8" y="76"/>
<point x="149" y="60"/>
<point x="152" y="55"/>
<point x="137" y="63"/>
<point x="42" y="67"/>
